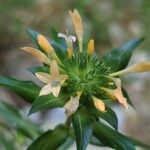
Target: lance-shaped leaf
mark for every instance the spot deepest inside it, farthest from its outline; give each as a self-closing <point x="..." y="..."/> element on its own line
<point x="112" y="138"/>
<point x="109" y="116"/>
<point x="33" y="34"/>
<point x="50" y="140"/>
<point x="83" y="125"/>
<point x="28" y="90"/>
<point x="47" y="102"/>
<point x="35" y="69"/>
<point x="69" y="141"/>
<point x="118" y="58"/>
<point x="13" y="117"/>
<point x="140" y="144"/>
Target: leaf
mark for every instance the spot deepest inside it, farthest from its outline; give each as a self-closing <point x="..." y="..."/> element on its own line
<point x="83" y="125"/>
<point x="28" y="90"/>
<point x="33" y="34"/>
<point x="112" y="138"/>
<point x="47" y="102"/>
<point x="6" y="143"/>
<point x="118" y="58"/>
<point x="66" y="144"/>
<point x="51" y="139"/>
<point x="95" y="141"/>
<point x="140" y="144"/>
<point x="35" y="69"/>
<point x="14" y="118"/>
<point x="108" y="116"/>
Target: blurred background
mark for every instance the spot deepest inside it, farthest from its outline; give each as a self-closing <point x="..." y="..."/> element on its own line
<point x="109" y="22"/>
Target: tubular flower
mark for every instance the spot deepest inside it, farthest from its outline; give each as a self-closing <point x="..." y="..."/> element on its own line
<point x="54" y="80"/>
<point x="140" y="67"/>
<point x="83" y="70"/>
<point x="38" y="54"/>
<point x="116" y="93"/>
<point x="77" y="22"/>
<point x="69" y="41"/>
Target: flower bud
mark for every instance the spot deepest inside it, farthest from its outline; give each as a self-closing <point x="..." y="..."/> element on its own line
<point x="90" y="47"/>
<point x="99" y="104"/>
<point x="44" y="44"/>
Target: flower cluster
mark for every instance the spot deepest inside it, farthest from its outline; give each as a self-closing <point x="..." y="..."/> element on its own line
<point x="82" y="75"/>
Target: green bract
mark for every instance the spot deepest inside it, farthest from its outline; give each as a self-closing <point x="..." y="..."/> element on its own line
<point x="83" y="84"/>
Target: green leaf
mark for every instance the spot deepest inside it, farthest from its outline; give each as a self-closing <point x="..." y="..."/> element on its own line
<point x="6" y="143"/>
<point x="47" y="102"/>
<point x="66" y="144"/>
<point x="83" y="125"/>
<point x="33" y="34"/>
<point x="118" y="58"/>
<point x="108" y="116"/>
<point x="112" y="138"/>
<point x="35" y="69"/>
<point x="28" y="90"/>
<point x="95" y="141"/>
<point x="14" y="118"/>
<point x="50" y="140"/>
<point x="140" y="144"/>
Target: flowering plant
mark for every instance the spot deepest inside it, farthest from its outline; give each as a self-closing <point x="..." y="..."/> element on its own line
<point x="83" y="84"/>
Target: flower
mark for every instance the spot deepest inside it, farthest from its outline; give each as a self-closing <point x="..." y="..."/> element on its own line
<point x="44" y="44"/>
<point x="90" y="47"/>
<point x="116" y="93"/>
<point x="72" y="105"/>
<point x="53" y="80"/>
<point x="38" y="54"/>
<point x="77" y="22"/>
<point x="139" y="67"/>
<point x="69" y="40"/>
<point x="99" y="104"/>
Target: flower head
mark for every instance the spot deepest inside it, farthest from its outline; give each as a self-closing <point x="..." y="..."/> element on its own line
<point x="86" y="75"/>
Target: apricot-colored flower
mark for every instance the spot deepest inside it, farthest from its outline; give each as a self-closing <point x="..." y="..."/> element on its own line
<point x="38" y="54"/>
<point x="77" y="22"/>
<point x="90" y="47"/>
<point x="99" y="104"/>
<point x="44" y="44"/>
<point x="139" y="67"/>
<point x="116" y="93"/>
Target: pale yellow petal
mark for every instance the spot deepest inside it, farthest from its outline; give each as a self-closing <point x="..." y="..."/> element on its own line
<point x="38" y="54"/>
<point x="54" y="69"/>
<point x="90" y="47"/>
<point x="99" y="104"/>
<point x="44" y="44"/>
<point x="62" y="78"/>
<point x="118" y="93"/>
<point x="77" y="22"/>
<point x="44" y="77"/>
<point x="56" y="90"/>
<point x="71" y="106"/>
<point x="47" y="89"/>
